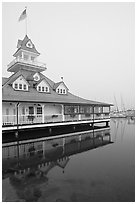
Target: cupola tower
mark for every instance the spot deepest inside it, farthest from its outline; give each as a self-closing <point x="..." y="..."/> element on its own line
<point x="26" y="57"/>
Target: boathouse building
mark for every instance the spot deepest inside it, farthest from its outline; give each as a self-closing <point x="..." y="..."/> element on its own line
<point x="29" y="98"/>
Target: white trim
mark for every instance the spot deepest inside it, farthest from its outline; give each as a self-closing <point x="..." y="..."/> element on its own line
<point x="54" y="124"/>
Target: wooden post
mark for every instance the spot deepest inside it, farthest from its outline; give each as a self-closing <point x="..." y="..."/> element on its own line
<point x="79" y="115"/>
<point x="17" y="133"/>
<point x="63" y="116"/>
<point x="93" y="117"/>
<point x="43" y="119"/>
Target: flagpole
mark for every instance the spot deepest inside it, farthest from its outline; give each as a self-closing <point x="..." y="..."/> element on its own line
<point x="26" y="19"/>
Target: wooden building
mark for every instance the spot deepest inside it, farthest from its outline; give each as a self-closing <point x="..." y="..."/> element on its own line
<point x="30" y="99"/>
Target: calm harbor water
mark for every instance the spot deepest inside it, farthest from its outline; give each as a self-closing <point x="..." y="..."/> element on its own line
<point x="94" y="166"/>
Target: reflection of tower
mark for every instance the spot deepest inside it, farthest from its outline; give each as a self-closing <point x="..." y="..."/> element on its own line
<point x="123" y="130"/>
<point x="44" y="147"/>
<point x="63" y="162"/>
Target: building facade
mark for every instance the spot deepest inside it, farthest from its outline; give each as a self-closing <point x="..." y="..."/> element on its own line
<point x="29" y="97"/>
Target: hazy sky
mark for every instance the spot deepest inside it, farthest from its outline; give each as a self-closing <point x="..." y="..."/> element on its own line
<point x="90" y="44"/>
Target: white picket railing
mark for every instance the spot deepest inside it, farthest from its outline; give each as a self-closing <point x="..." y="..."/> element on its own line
<point x="30" y="62"/>
<point x="39" y="118"/>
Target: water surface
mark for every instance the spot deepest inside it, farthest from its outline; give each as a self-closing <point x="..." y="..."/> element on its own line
<point x="95" y="166"/>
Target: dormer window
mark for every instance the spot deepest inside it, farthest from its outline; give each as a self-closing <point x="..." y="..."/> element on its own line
<point x="39" y="88"/>
<point x="43" y="89"/>
<point x="61" y="88"/>
<point x="16" y="86"/>
<point x="43" y="86"/>
<point x="61" y="91"/>
<point x="24" y="86"/>
<point x="20" y="84"/>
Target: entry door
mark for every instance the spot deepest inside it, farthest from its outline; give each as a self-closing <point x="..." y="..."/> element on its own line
<point x="31" y="110"/>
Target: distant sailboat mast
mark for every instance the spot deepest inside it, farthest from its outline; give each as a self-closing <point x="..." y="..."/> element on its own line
<point x="116" y="104"/>
<point x="122" y="105"/>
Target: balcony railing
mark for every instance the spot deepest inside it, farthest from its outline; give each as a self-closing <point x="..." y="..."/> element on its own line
<point x="39" y="118"/>
<point x="29" y="62"/>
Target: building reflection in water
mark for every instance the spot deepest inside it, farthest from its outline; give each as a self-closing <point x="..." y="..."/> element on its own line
<point x="27" y="164"/>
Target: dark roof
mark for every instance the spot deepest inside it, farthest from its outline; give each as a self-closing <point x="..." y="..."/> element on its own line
<point x="58" y="83"/>
<point x="4" y="79"/>
<point x="9" y="94"/>
<point x="30" y="77"/>
<point x="22" y="45"/>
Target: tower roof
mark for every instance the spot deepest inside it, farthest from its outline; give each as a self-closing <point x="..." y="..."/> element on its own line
<point x="26" y="44"/>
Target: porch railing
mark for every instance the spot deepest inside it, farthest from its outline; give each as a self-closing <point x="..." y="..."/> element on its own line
<point x="39" y="118"/>
<point x="21" y="60"/>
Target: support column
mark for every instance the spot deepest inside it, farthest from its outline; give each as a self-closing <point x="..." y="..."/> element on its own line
<point x="43" y="113"/>
<point x="22" y="55"/>
<point x="93" y="117"/>
<point x="79" y="116"/>
<point x="63" y="116"/>
<point x="17" y="132"/>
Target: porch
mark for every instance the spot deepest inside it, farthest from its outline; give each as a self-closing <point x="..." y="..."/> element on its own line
<point x="39" y="118"/>
<point x="29" y="113"/>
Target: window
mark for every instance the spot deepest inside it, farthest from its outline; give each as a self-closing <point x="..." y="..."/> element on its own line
<point x="42" y="88"/>
<point x="26" y="57"/>
<point x="64" y="91"/>
<point x="20" y="86"/>
<point x="32" y="58"/>
<point x="61" y="91"/>
<point x="58" y="90"/>
<point x="16" y="86"/>
<point x="23" y="110"/>
<point x="71" y="109"/>
<point x="47" y="89"/>
<point x="39" y="110"/>
<point x="31" y="110"/>
<point x="25" y="87"/>
<point x="39" y="88"/>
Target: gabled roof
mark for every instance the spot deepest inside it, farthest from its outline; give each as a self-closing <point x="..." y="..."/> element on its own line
<point x="9" y="94"/>
<point x="22" y="45"/>
<point x="16" y="77"/>
<point x="58" y="83"/>
<point x="42" y="79"/>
